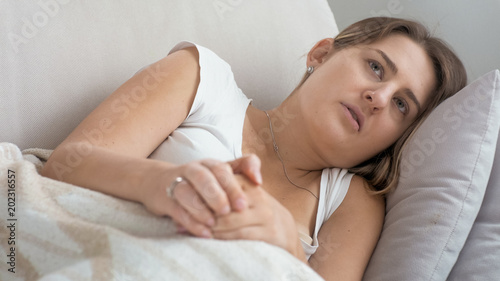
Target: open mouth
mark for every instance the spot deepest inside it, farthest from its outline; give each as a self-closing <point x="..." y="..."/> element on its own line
<point x="354" y="116"/>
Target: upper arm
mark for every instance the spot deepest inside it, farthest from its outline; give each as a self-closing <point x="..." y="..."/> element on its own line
<point x="141" y="113"/>
<point x="348" y="238"/>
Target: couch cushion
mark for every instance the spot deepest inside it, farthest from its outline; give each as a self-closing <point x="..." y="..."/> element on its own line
<point x="480" y="257"/>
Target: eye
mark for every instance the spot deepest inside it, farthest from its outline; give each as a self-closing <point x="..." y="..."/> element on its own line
<point x="377" y="69"/>
<point x="402" y="105"/>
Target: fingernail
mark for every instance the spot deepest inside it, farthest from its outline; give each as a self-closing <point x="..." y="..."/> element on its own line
<point x="206" y="234"/>
<point x="225" y="210"/>
<point x="181" y="229"/>
<point x="258" y="177"/>
<point x="240" y="204"/>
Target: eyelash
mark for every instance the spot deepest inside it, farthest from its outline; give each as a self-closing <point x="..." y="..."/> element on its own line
<point x="373" y="64"/>
<point x="405" y="104"/>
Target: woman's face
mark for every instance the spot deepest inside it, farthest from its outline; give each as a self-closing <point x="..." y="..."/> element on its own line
<point x="360" y="100"/>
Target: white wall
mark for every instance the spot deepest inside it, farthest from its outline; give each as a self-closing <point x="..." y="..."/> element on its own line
<point x="471" y="27"/>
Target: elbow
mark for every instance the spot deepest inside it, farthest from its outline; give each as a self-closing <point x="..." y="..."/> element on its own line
<point x="63" y="161"/>
<point x="54" y="168"/>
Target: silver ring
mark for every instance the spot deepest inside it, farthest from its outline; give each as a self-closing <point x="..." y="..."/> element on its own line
<point x="170" y="189"/>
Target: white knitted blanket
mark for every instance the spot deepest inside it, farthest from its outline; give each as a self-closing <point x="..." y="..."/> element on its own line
<point x="51" y="230"/>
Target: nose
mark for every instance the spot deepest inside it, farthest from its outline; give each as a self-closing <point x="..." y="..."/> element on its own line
<point x="378" y="99"/>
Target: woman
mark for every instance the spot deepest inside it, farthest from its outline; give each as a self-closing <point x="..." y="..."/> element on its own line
<point x="328" y="153"/>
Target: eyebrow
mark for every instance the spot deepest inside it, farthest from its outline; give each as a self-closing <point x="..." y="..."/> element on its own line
<point x="388" y="61"/>
<point x="394" y="69"/>
<point x="411" y="95"/>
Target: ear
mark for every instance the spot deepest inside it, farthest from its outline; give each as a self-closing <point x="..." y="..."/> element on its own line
<point x="318" y="54"/>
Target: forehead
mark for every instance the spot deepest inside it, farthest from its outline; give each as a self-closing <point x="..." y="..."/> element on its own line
<point x="415" y="68"/>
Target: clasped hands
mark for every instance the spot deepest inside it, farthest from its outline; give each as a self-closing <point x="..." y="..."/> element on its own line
<point x="224" y="201"/>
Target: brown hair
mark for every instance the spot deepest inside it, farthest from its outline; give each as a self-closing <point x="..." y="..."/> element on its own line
<point x="382" y="171"/>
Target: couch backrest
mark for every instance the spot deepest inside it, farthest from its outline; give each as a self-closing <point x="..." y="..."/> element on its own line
<point x="59" y="58"/>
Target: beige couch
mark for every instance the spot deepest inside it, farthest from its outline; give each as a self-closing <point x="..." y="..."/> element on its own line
<point x="59" y="59"/>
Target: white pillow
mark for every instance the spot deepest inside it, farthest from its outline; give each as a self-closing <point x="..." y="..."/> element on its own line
<point x="59" y="59"/>
<point x="445" y="170"/>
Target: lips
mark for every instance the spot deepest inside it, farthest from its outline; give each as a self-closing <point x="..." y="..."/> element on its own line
<point x="355" y="115"/>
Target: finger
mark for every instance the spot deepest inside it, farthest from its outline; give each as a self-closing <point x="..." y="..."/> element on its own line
<point x="251" y="232"/>
<point x="249" y="165"/>
<point x="180" y="228"/>
<point x="189" y="199"/>
<point x="236" y="220"/>
<point x="185" y="220"/>
<point x="258" y="233"/>
<point x="207" y="186"/>
<point x="225" y="176"/>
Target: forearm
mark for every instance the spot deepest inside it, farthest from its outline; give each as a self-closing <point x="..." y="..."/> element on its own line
<point x="101" y="170"/>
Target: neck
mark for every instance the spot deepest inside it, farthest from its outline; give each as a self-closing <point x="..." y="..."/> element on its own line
<point x="278" y="154"/>
<point x="290" y="141"/>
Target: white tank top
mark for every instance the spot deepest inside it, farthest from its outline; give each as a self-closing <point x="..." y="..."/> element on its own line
<point x="333" y="189"/>
<point x="214" y="129"/>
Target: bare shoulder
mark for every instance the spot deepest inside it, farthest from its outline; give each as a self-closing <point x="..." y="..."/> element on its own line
<point x="361" y="211"/>
<point x="183" y="64"/>
<point x="188" y="56"/>
<point x="360" y="197"/>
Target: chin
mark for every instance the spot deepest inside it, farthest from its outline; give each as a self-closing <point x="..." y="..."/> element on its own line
<point x="355" y="163"/>
<point x="346" y="165"/>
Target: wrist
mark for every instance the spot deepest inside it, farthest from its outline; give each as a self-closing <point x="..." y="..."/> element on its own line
<point x="151" y="176"/>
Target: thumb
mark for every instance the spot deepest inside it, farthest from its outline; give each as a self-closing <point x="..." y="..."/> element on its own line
<point x="248" y="165"/>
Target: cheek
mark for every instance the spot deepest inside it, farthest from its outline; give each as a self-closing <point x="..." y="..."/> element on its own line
<point x="384" y="136"/>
